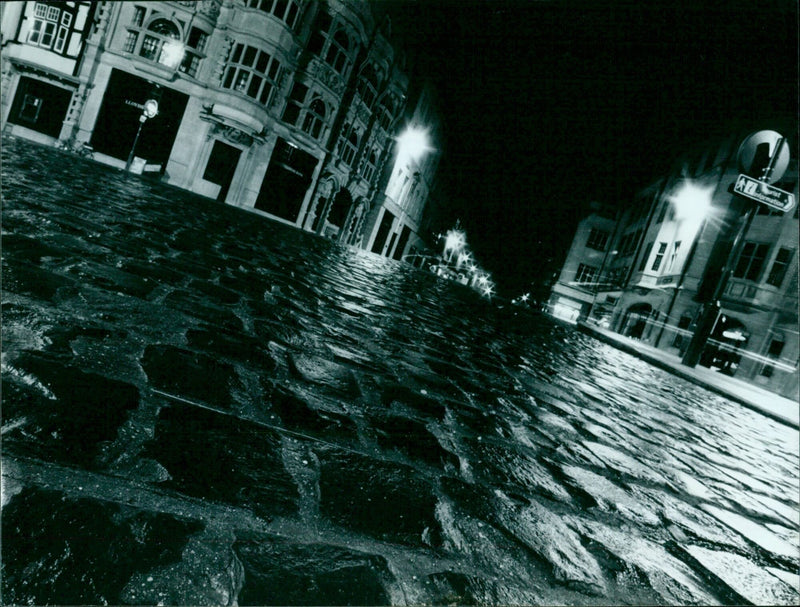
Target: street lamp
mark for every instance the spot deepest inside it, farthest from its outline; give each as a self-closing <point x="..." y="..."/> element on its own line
<point x="692" y="203"/>
<point x="149" y="110"/>
<point x="413" y="144"/>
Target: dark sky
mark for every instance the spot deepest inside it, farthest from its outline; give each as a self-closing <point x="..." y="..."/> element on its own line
<point x="548" y="105"/>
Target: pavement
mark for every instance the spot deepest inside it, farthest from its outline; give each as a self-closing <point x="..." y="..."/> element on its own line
<point x="780" y="409"/>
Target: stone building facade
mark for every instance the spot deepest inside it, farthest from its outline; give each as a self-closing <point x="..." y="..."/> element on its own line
<point x="688" y="248"/>
<point x="287" y="108"/>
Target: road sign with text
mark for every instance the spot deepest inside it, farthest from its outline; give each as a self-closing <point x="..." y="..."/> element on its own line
<point x="763" y="193"/>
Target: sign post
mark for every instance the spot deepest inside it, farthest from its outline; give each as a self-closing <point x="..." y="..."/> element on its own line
<point x="765" y="155"/>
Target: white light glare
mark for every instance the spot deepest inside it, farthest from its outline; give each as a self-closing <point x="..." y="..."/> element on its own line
<point x="171" y="53"/>
<point x="455" y="241"/>
<point x="413" y="143"/>
<point x="692" y="201"/>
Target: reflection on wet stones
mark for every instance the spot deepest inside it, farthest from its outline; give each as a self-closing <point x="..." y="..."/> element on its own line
<point x="57" y="550"/>
<point x="115" y="286"/>
<point x="68" y="413"/>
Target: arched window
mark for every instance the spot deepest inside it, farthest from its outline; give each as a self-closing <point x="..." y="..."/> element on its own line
<point x="367" y="85"/>
<point x="369" y="166"/>
<point x="162" y="43"/>
<point x="314" y="118"/>
<point x="387" y="112"/>
<point x="348" y="144"/>
<point x="338" y="52"/>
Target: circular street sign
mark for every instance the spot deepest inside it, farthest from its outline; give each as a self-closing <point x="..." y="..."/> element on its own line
<point x="150" y="108"/>
<point x="757" y="151"/>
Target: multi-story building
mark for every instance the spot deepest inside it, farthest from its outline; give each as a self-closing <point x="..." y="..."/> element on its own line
<point x="696" y="270"/>
<point x="288" y="108"/>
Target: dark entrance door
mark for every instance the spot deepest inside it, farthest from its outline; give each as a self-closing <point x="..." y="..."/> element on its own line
<point x="401" y="244"/>
<point x="383" y="230"/>
<point x="221" y="166"/>
<point x="40" y="106"/>
<point x="286" y="181"/>
<point x="118" y="119"/>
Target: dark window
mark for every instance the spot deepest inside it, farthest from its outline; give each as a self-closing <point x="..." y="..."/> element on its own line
<point x="138" y="16"/>
<point x="773" y="352"/>
<point x="662" y="248"/>
<point x="779" y="266"/>
<point x="598" y="239"/>
<point x="585" y="273"/>
<point x="646" y="256"/>
<point x="256" y="75"/>
<point x="751" y="261"/>
<point x="680" y="334"/>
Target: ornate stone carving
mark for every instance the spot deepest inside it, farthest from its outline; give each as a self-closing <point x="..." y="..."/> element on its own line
<point x="328" y="76"/>
<point x="210" y="8"/>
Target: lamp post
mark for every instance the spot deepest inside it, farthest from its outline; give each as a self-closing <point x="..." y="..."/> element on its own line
<point x="764" y="155"/>
<point x="150" y="110"/>
<point x="692" y="204"/>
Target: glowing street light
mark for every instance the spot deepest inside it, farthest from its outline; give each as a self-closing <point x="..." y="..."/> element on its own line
<point x="692" y="201"/>
<point x="454" y="243"/>
<point x="413" y="144"/>
<point x="171" y="53"/>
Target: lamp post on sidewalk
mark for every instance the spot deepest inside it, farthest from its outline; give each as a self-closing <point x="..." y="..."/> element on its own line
<point x="765" y="156"/>
<point x="150" y="110"/>
<point x="692" y="204"/>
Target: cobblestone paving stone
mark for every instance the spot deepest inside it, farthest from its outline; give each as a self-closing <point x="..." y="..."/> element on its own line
<point x="203" y="407"/>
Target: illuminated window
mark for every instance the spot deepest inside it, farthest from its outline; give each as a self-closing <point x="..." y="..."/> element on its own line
<point x="780" y="266"/>
<point x="193" y="53"/>
<point x="598" y="239"/>
<point x="252" y="72"/>
<point x="585" y="273"/>
<point x="751" y="261"/>
<point x="159" y="43"/>
<point x="675" y="248"/>
<point x="130" y="42"/>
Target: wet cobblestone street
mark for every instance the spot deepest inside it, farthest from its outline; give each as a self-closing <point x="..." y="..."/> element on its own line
<point x="201" y="406"/>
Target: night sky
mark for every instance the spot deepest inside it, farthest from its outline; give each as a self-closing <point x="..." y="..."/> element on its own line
<point x="548" y="105"/>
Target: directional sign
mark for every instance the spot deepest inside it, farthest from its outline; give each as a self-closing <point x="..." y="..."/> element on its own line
<point x="761" y="150"/>
<point x="763" y="193"/>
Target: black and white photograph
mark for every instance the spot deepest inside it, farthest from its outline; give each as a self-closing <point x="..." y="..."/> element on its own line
<point x="399" y="302"/>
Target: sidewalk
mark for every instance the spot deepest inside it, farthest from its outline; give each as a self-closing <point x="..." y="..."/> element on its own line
<point x="783" y="410"/>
